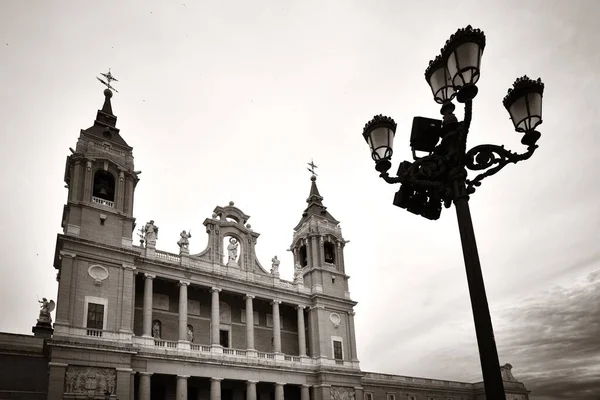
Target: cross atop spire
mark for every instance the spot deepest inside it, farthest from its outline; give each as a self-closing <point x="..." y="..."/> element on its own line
<point x="312" y="166"/>
<point x="109" y="78"/>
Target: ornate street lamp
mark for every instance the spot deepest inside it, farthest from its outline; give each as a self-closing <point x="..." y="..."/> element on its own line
<point x="440" y="176"/>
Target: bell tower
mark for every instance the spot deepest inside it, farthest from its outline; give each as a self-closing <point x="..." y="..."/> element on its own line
<point x="318" y="246"/>
<point x="101" y="180"/>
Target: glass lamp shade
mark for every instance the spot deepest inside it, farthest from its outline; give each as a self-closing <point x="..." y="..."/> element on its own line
<point x="524" y="103"/>
<point x="463" y="53"/>
<point x="438" y="78"/>
<point x="379" y="134"/>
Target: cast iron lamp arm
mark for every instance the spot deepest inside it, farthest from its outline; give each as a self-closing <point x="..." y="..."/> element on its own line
<point x="486" y="156"/>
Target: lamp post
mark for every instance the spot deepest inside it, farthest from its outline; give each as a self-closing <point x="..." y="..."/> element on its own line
<point x="438" y="175"/>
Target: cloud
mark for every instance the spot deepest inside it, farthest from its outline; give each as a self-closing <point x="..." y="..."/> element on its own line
<point x="553" y="340"/>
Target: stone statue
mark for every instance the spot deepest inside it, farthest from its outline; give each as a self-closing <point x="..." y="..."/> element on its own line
<point x="45" y="309"/>
<point x="150" y="232"/>
<point x="232" y="250"/>
<point x="156" y="330"/>
<point x="506" y="373"/>
<point x="275" y="266"/>
<point x="184" y="242"/>
<point x="298" y="278"/>
<point x="190" y="333"/>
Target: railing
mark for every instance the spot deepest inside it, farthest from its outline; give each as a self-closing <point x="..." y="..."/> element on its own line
<point x="102" y="202"/>
<point x="94" y="332"/>
<point x="229" y="351"/>
<point x="165" y="343"/>
<point x="267" y="356"/>
<point x="241" y="353"/>
<point x="167" y="256"/>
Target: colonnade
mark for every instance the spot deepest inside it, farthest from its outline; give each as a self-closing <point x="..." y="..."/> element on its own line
<point x="181" y="389"/>
<point x="215" y="317"/>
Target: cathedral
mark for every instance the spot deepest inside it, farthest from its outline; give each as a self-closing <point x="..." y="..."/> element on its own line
<point x="134" y="322"/>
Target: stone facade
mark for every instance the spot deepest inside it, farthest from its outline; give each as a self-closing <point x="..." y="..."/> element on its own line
<point x="135" y="322"/>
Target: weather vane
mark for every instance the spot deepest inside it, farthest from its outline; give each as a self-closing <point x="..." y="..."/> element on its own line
<point x="312" y="166"/>
<point x="109" y="78"/>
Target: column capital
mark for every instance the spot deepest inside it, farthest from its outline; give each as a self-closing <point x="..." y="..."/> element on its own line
<point x="67" y="254"/>
<point x="300" y="307"/>
<point x="351" y="313"/>
<point x="249" y="296"/>
<point x="128" y="266"/>
<point x="149" y="276"/>
<point x="306" y="385"/>
<point x="124" y="370"/>
<point x="183" y="283"/>
<point x="216" y="379"/>
<point x="183" y="376"/>
<point x="273" y="302"/>
<point x="144" y="373"/>
<point x="279" y="384"/>
<point x="249" y="382"/>
<point x="214" y="289"/>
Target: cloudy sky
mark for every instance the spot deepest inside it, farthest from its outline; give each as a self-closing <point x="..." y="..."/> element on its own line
<point x="229" y="100"/>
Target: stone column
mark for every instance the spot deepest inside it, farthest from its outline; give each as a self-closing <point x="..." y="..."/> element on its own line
<point x="352" y="336"/>
<point x="128" y="298"/>
<point x="56" y="379"/>
<point x="88" y="181"/>
<point x="181" y="390"/>
<point x="76" y="182"/>
<point x="301" y="332"/>
<point x="120" y="195"/>
<point x="215" y="388"/>
<point x="147" y="332"/>
<point x="249" y="324"/>
<point x="276" y="327"/>
<point x="65" y="296"/>
<point x="315" y="252"/>
<point x="321" y="250"/>
<point x="145" y="385"/>
<point x="251" y="390"/>
<point x="215" y="318"/>
<point x="183" y="311"/>
<point x="123" y="381"/>
<point x="305" y="393"/>
<point x="358" y="392"/>
<point x="279" y="391"/>
<point x="309" y="252"/>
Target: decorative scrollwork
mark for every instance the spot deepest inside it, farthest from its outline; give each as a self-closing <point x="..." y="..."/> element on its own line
<point x="491" y="158"/>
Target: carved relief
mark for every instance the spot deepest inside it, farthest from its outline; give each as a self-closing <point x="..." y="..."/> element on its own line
<point x="90" y="380"/>
<point x="194" y="307"/>
<point x="98" y="273"/>
<point x="341" y="393"/>
<point x="160" y="301"/>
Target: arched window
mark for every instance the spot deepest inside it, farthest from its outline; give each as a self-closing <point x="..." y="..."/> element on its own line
<point x="329" y="250"/>
<point x="104" y="186"/>
<point x="302" y="256"/>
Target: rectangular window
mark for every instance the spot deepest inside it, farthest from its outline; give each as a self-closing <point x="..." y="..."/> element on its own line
<point x="337" y="351"/>
<point x="224" y="338"/>
<point x="411" y="397"/>
<point x="368" y="396"/>
<point x="95" y="316"/>
<point x="391" y="396"/>
<point x="270" y="320"/>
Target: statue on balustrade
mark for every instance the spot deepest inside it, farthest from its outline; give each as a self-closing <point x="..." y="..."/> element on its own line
<point x="275" y="267"/>
<point x="150" y="233"/>
<point x="184" y="241"/>
<point x="232" y="250"/>
<point x="45" y="309"/>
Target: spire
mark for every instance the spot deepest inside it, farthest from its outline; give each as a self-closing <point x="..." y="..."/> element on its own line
<point x="107" y="107"/>
<point x="105" y="125"/>
<point x="315" y="202"/>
